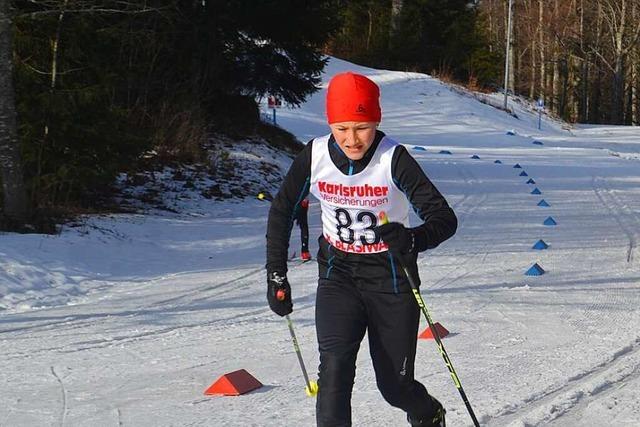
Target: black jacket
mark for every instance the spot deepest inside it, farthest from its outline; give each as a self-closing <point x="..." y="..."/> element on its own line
<point x="440" y="222"/>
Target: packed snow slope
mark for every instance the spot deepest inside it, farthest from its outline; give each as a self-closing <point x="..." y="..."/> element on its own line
<point x="127" y="319"/>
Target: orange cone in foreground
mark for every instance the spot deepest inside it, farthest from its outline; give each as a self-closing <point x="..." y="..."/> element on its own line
<point x="234" y="384"/>
<point x="427" y="334"/>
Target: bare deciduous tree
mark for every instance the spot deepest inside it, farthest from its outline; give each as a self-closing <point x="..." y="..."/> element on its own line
<point x="581" y="56"/>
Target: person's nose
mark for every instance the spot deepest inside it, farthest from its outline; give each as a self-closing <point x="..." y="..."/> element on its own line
<point x="352" y="137"/>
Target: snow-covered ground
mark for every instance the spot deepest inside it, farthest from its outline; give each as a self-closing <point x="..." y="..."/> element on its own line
<point x="126" y="319"/>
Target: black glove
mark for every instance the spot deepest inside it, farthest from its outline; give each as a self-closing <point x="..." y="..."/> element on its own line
<point x="400" y="239"/>
<point x="278" y="282"/>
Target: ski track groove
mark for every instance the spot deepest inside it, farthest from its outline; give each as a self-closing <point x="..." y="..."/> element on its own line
<point x="72" y="319"/>
<point x="239" y="320"/>
<point x="630" y="216"/>
<point x="571" y="393"/>
<point x="246" y="317"/>
<point x="79" y="322"/>
<point x="208" y="293"/>
<point x="470" y="260"/>
<point x="609" y="296"/>
<point x="211" y="287"/>
<point x="613" y="205"/>
<point x="202" y="291"/>
<point x="594" y="395"/>
<point x="63" y="412"/>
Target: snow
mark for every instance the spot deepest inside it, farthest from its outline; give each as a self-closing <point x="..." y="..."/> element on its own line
<point x="126" y="319"/>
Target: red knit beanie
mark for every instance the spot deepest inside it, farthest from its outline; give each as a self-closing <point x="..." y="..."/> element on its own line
<point x="353" y="98"/>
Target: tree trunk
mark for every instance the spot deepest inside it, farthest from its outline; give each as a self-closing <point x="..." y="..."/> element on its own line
<point x="512" y="57"/>
<point x="596" y="98"/>
<point x="565" y="92"/>
<point x="617" y="101"/>
<point x="635" y="70"/>
<point x="532" y="70"/>
<point x="14" y="191"/>
<point x="555" y="76"/>
<point x="396" y="8"/>
<point x="370" y="30"/>
<point x="543" y="74"/>
<point x="55" y="43"/>
<point x="628" y="102"/>
<point x="490" y="23"/>
<point x="583" y="103"/>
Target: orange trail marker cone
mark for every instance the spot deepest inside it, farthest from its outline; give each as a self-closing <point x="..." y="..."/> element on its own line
<point x="427" y="334"/>
<point x="234" y="384"/>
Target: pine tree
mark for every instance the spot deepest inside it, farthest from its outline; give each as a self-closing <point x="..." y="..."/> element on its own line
<point x="101" y="82"/>
<point x="15" y="207"/>
<point x="435" y="36"/>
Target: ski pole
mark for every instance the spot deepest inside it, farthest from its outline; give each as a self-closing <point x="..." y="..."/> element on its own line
<point x="311" y="387"/>
<point x="416" y="293"/>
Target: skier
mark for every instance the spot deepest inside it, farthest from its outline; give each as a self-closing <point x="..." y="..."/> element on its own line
<point x="301" y="216"/>
<point x="357" y="172"/>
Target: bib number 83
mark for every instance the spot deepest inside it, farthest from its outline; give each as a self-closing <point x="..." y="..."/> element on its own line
<point x="347" y="234"/>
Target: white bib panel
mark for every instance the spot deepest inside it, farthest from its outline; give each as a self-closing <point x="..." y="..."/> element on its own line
<point x="351" y="204"/>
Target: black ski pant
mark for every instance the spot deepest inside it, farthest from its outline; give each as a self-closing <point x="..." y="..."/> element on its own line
<point x="303" y="223"/>
<point x="345" y="309"/>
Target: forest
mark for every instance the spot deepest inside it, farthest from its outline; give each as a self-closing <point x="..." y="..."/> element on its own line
<point x="90" y="89"/>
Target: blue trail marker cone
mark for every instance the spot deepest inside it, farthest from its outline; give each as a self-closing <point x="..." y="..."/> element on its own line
<point x="475" y="156"/>
<point x="535" y="270"/>
<point x="445" y="152"/>
<point x="536" y="191"/>
<point x="498" y="162"/>
<point x="511" y="132"/>
<point x="540" y="245"/>
<point x="543" y="203"/>
<point x="550" y="221"/>
<point x="418" y="148"/>
<point x="523" y="173"/>
<point x="538" y="143"/>
<point x="517" y="166"/>
<point x="531" y="181"/>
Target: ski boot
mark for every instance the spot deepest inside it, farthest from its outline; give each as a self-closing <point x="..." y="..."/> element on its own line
<point x="305" y="256"/>
<point x="435" y="420"/>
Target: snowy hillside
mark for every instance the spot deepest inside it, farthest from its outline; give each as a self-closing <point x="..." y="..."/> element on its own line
<point x="126" y="319"/>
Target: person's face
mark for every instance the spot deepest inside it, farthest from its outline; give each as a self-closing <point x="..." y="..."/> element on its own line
<point x="354" y="138"/>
